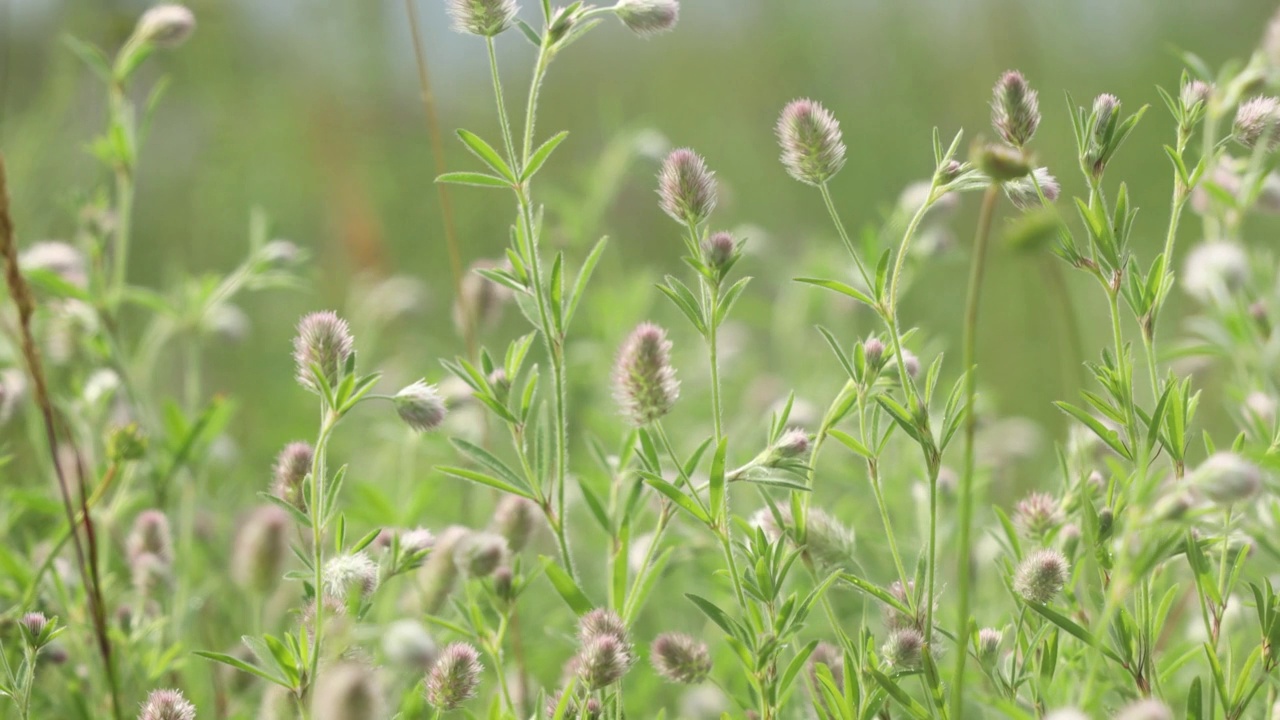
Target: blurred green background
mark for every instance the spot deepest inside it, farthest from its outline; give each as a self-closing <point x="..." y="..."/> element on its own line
<point x="310" y="110"/>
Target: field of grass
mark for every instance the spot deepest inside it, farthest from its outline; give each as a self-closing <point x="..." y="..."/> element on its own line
<point x="701" y="359"/>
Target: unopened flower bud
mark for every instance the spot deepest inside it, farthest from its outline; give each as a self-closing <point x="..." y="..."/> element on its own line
<point x="989" y="640"/>
<point x="1015" y="109"/>
<point x="350" y="573"/>
<point x="950" y="171"/>
<point x="904" y="649"/>
<point x="794" y="443"/>
<point x="480" y="553"/>
<point x="166" y="26"/>
<point x="33" y="628"/>
<point x="719" y="250"/>
<point x="645" y="384"/>
<point x="1066" y="714"/>
<point x="420" y="406"/>
<point x="293" y="464"/>
<point x="1227" y="478"/>
<point x="1023" y="192"/>
<point x="407" y="643"/>
<point x="347" y="691"/>
<point x="515" y="520"/>
<point x="1195" y="93"/>
<point x="261" y="549"/>
<point x="486" y="18"/>
<point x="648" y="17"/>
<point x="324" y="341"/>
<point x="812" y="146"/>
<point x="455" y="676"/>
<point x="680" y="658"/>
<point x="1041" y="576"/>
<point x="686" y="188"/>
<point x="909" y="360"/>
<point x="1001" y="163"/>
<point x="873" y="351"/>
<point x="1258" y="120"/>
<point x="167" y="705"/>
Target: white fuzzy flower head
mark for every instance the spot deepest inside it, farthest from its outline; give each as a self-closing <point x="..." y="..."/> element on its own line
<point x="648" y="17"/>
<point x="485" y="18"/>
<point x="351" y="572"/>
<point x="420" y="406"/>
<point x="1215" y="270"/>
<point x="166" y="26"/>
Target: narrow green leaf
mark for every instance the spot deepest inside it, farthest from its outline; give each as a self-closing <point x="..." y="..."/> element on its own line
<point x="540" y="155"/>
<point x="842" y="288"/>
<point x="568" y="589"/>
<point x="474" y="179"/>
<point x="482" y="479"/>
<point x="239" y="664"/>
<point x="487" y="154"/>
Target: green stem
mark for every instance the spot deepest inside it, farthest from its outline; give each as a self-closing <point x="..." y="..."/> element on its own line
<point x="316" y="506"/>
<point x="844" y="235"/>
<point x="977" y="268"/>
<point x="503" y="118"/>
<point x="552" y="338"/>
<point x="535" y="88"/>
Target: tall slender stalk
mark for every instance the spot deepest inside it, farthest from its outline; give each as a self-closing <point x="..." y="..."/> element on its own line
<point x="442" y="189"/>
<point x="22" y="298"/>
<point x="977" y="269"/>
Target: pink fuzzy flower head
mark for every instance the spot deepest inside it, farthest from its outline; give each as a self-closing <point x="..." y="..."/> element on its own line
<point x="324" y="341"/>
<point x="455" y="676"/>
<point x="167" y="705"/>
<point x="686" y="188"/>
<point x="645" y="384"/>
<point x="1015" y="109"/>
<point x="812" y="145"/>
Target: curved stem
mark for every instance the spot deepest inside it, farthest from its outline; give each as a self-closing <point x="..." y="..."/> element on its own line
<point x="977" y="268"/>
